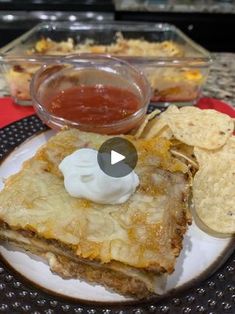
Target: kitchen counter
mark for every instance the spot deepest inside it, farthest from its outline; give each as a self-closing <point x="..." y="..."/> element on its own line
<point x="220" y="83"/>
<point x="201" y="7"/>
<point x="221" y="80"/>
<point x="175" y="6"/>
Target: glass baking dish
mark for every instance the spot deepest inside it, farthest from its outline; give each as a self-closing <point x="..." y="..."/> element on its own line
<point x="174" y="77"/>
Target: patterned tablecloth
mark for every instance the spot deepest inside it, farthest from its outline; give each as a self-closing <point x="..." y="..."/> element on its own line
<point x="220" y="83"/>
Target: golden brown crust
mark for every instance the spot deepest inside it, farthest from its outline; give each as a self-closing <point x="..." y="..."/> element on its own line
<point x="112" y="277"/>
<point x="143" y="235"/>
<point x="129" y="286"/>
<point x="145" y="232"/>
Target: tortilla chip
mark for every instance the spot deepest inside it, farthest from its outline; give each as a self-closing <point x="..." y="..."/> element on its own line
<point x="202" y="128"/>
<point x="148" y="117"/>
<point x="214" y="188"/>
<point x="159" y="126"/>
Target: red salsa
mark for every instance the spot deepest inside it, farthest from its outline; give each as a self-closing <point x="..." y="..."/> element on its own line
<point x="94" y="105"/>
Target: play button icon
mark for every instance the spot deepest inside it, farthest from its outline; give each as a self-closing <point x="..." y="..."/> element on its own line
<point x="117" y="157"/>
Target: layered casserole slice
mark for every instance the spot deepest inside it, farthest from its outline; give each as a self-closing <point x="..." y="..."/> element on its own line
<point x="126" y="247"/>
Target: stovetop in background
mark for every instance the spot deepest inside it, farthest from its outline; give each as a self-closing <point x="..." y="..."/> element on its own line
<point x="18" y="16"/>
<point x="59" y="5"/>
<point x="212" y="30"/>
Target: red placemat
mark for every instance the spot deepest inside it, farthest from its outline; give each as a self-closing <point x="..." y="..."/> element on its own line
<point x="10" y="112"/>
<point x="212" y="103"/>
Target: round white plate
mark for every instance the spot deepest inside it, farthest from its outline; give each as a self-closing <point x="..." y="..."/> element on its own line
<point x="201" y="252"/>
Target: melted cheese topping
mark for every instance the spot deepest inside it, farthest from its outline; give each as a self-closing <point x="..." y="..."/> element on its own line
<point x="122" y="47"/>
<point x="141" y="232"/>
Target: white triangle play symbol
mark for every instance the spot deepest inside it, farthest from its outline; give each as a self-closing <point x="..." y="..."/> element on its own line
<point x="116" y="157"/>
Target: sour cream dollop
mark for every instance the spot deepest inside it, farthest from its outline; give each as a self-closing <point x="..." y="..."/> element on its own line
<point x="83" y="178"/>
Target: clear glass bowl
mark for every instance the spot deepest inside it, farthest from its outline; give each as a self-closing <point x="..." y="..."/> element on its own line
<point x="89" y="70"/>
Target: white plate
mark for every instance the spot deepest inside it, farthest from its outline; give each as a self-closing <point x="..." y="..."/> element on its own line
<point x="200" y="250"/>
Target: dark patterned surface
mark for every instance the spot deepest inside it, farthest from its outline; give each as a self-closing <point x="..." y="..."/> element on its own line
<point x="216" y="295"/>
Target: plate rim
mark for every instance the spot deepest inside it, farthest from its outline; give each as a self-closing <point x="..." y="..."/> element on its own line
<point x="227" y="254"/>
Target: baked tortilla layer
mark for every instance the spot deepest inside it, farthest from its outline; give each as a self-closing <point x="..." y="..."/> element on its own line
<point x="120" y="278"/>
<point x="145" y="232"/>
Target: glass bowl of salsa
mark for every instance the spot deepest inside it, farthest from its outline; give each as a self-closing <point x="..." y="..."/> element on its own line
<point x="98" y="94"/>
